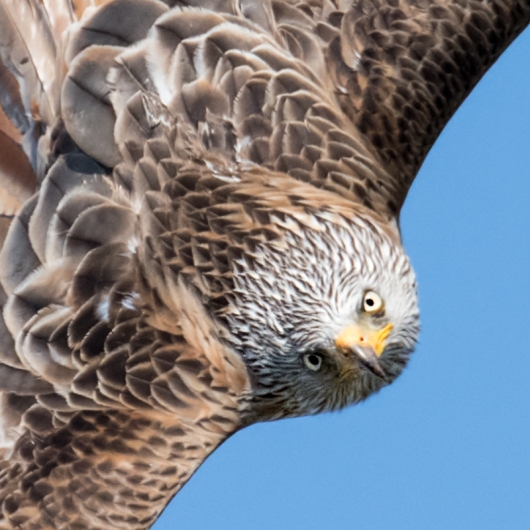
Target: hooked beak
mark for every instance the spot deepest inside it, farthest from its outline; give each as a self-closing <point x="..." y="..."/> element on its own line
<point x="367" y="346"/>
<point x="368" y="358"/>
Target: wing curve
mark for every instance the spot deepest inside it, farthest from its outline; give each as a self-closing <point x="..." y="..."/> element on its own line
<point x="402" y="68"/>
<point x="347" y="96"/>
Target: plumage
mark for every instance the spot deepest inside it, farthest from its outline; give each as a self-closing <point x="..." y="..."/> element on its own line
<point x="207" y="201"/>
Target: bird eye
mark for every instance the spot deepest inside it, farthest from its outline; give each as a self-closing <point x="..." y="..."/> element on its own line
<point x="313" y="361"/>
<point x="372" y="302"/>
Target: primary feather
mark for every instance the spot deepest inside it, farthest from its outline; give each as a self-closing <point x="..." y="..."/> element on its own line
<point x="207" y="199"/>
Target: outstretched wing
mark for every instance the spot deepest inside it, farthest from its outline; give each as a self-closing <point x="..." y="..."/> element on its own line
<point x="164" y="140"/>
<point x="347" y="96"/>
<point x="226" y="113"/>
<point x="402" y="68"/>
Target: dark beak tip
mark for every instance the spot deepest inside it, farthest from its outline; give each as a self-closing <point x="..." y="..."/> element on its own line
<point x="370" y="360"/>
<point x="381" y="373"/>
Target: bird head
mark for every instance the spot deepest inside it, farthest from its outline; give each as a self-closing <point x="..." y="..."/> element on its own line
<point x="323" y="317"/>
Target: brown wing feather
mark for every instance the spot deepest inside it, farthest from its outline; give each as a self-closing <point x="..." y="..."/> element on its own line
<point x="402" y="68"/>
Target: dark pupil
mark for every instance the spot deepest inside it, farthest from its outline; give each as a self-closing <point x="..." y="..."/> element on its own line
<point x="314" y="360"/>
<point x="369" y="302"/>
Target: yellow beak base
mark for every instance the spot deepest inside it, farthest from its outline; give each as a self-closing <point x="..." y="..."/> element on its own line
<point x="356" y="336"/>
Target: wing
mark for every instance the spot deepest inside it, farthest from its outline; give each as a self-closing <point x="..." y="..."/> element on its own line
<point x="179" y="134"/>
<point x="401" y="69"/>
<point x="348" y="96"/>
<point x="88" y="246"/>
<point x="151" y="145"/>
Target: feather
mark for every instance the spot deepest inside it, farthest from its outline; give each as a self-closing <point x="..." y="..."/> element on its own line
<point x="17" y="258"/>
<point x="13" y="115"/>
<point x="27" y="42"/>
<point x="17" y="178"/>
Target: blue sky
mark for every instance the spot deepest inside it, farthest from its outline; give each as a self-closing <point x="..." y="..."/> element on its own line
<point x="448" y="445"/>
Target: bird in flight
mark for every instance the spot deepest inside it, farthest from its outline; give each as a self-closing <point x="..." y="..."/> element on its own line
<point x="200" y="226"/>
